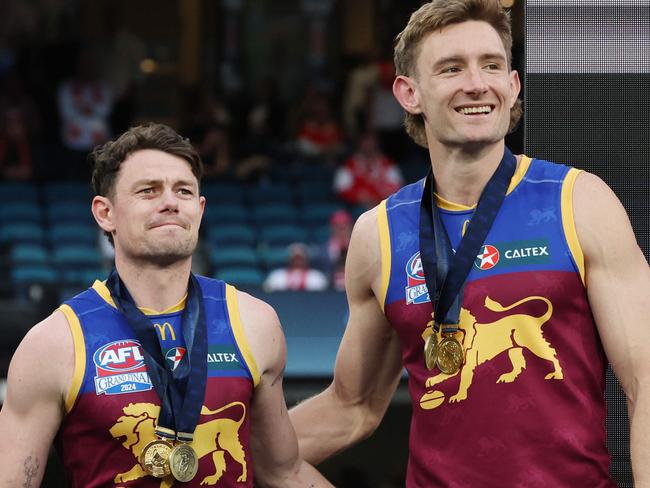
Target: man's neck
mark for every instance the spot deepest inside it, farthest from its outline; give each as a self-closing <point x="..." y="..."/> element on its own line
<point x="460" y="174"/>
<point x="155" y="287"/>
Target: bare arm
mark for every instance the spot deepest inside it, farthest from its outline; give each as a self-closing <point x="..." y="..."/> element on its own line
<point x="618" y="286"/>
<point x="34" y="406"/>
<point x="368" y="364"/>
<point x="273" y="440"/>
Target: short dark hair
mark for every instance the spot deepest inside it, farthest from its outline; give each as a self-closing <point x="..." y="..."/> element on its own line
<point x="108" y="158"/>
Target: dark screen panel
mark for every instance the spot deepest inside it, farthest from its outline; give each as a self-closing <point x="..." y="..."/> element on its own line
<point x="586" y="104"/>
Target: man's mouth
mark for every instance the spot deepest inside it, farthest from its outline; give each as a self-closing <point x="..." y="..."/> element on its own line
<point x="482" y="109"/>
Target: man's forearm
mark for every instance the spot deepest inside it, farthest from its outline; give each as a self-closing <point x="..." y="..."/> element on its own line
<point x="640" y="437"/>
<point x="325" y="427"/>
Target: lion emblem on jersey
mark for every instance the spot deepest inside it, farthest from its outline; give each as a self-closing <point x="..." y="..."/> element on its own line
<point x="483" y="342"/>
<point x="213" y="437"/>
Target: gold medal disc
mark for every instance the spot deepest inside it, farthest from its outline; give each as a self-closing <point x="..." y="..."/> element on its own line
<point x="450" y="355"/>
<point x="154" y="458"/>
<point x="431" y="351"/>
<point x="183" y="462"/>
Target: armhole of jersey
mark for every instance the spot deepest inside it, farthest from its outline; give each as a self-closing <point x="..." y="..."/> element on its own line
<point x="568" y="221"/>
<point x="238" y="331"/>
<point x="79" y="356"/>
<point x="384" y="243"/>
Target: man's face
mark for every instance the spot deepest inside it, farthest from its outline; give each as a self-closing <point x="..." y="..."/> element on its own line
<point x="463" y="85"/>
<point x="155" y="209"/>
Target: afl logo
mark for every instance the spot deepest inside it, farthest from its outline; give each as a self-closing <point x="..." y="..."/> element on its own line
<point x="119" y="356"/>
<point x="414" y="268"/>
<point x="488" y="258"/>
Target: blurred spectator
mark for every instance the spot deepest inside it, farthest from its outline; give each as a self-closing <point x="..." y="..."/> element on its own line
<point x="360" y="86"/>
<point x="318" y="134"/>
<point x="337" y="247"/>
<point x="16" y="162"/>
<point x="367" y="176"/>
<point x="209" y="131"/>
<point x="264" y="132"/>
<point x="85" y="103"/>
<point x="385" y="114"/>
<point x="297" y="276"/>
<point x="19" y="129"/>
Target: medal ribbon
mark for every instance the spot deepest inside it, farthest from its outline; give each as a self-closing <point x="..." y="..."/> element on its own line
<point x="446" y="284"/>
<point x="181" y="391"/>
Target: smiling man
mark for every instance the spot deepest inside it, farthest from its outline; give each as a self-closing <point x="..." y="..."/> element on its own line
<point x="502" y="283"/>
<point x="155" y="376"/>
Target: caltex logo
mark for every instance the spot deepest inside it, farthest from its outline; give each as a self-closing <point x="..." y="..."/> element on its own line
<point x="487" y="258"/>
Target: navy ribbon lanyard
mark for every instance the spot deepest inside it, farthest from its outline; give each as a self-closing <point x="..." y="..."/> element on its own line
<point x="181" y="391"/>
<point x="445" y="272"/>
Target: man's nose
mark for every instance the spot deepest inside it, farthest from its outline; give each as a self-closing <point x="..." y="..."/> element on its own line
<point x="475" y="81"/>
<point x="170" y="200"/>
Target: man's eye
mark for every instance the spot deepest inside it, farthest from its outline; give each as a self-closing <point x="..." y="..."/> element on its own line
<point x="451" y="69"/>
<point x="146" y="191"/>
<point x="492" y="66"/>
<point x="185" y="191"/>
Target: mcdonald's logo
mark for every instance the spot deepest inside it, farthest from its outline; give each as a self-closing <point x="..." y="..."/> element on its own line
<point x="162" y="331"/>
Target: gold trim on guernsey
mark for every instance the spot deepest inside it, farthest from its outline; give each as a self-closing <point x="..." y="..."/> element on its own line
<point x="79" y="356"/>
<point x="238" y="331"/>
<point x="384" y="243"/>
<point x="568" y="221"/>
<point x="522" y="167"/>
<point x="102" y="291"/>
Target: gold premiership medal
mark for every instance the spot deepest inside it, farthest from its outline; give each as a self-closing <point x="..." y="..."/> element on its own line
<point x="183" y="462"/>
<point x="154" y="458"/>
<point x="431" y="351"/>
<point x="450" y="355"/>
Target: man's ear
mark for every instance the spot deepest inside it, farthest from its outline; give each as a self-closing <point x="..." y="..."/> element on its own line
<point x="405" y="91"/>
<point x="102" y="210"/>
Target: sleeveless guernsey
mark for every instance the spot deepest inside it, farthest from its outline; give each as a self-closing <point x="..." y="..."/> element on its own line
<point x="112" y="408"/>
<point x="527" y="408"/>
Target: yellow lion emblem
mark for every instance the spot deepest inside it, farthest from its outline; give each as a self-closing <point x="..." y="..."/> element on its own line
<point x="483" y="342"/>
<point x="216" y="437"/>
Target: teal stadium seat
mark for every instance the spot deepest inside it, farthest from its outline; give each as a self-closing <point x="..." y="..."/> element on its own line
<point x="18" y="192"/>
<point x="229" y="234"/>
<point x="222" y="192"/>
<point x="69" y="212"/>
<point x="241" y="276"/>
<point x="16" y="233"/>
<point x="21" y="254"/>
<point x="67" y="191"/>
<point x="224" y="257"/>
<point x="315" y="192"/>
<point x="274" y="213"/>
<point x="77" y="256"/>
<point x="21" y="212"/>
<point x="34" y="273"/>
<point x="226" y="213"/>
<point x="73" y="233"/>
<point x="274" y="257"/>
<point x="273" y="193"/>
<point x="279" y="235"/>
<point x="318" y="213"/>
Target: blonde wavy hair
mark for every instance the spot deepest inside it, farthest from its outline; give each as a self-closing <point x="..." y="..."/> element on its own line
<point x="433" y="16"/>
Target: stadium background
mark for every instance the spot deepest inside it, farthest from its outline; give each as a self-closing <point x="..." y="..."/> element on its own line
<point x="586" y="104"/>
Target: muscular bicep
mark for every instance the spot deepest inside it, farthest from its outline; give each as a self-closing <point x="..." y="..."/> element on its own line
<point x="617" y="279"/>
<point x="34" y="404"/>
<point x="368" y="364"/>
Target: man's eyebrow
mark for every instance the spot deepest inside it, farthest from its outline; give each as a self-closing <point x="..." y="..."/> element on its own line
<point x="460" y="59"/>
<point x="146" y="182"/>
